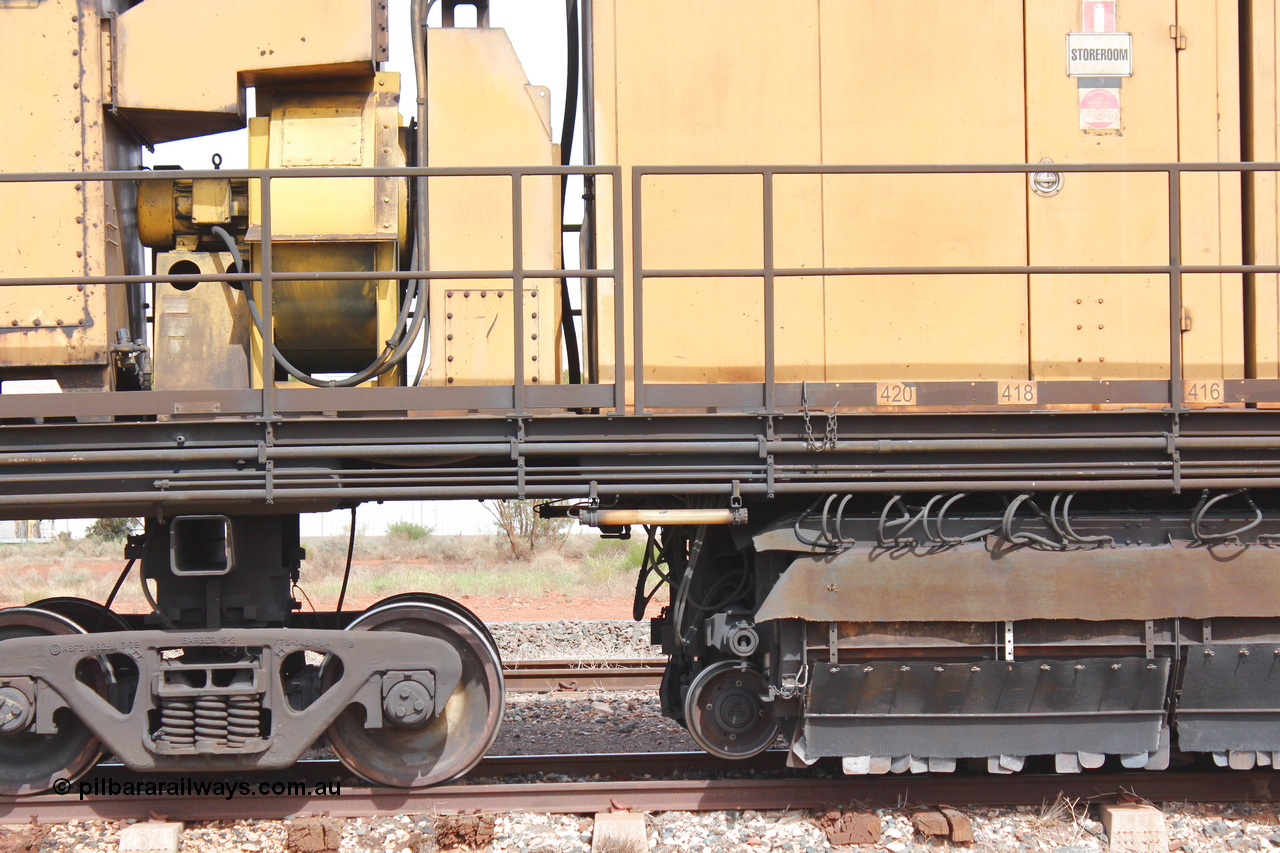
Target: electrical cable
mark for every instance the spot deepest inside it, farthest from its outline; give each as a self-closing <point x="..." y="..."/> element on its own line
<point x="155" y="608"/>
<point x="346" y="575"/>
<point x="426" y="348"/>
<point x="418" y="11"/>
<point x="389" y="357"/>
<point x="112" y="596"/>
<point x="116" y="589"/>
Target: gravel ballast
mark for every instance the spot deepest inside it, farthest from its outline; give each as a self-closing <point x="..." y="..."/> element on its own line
<point x="1054" y="828"/>
<point x="630" y="722"/>
<point x="567" y="640"/>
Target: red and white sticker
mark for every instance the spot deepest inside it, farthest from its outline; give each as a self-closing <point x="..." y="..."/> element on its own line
<point x="1099" y="109"/>
<point x="1098" y="16"/>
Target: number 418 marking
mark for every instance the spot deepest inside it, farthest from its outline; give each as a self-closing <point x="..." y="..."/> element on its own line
<point x="1203" y="391"/>
<point x="1017" y="393"/>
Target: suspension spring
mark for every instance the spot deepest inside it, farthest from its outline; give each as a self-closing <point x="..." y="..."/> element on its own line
<point x="177" y="722"/>
<point x="244" y="712"/>
<point x="211" y="721"/>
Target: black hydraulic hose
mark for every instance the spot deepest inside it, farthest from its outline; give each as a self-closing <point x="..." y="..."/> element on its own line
<point x="567" y="328"/>
<point x="390" y="356"/>
<point x="346" y="574"/>
<point x="115" y="590"/>
<point x="568" y="122"/>
<point x="418" y="11"/>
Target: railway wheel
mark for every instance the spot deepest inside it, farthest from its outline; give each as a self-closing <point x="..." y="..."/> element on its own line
<point x="724" y="713"/>
<point x="91" y="616"/>
<point x="439" y="748"/>
<point x="29" y="762"/>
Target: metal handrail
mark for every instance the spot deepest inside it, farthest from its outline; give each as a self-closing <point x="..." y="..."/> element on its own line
<point x="1175" y="269"/>
<point x="768" y="271"/>
<point x="517" y="274"/>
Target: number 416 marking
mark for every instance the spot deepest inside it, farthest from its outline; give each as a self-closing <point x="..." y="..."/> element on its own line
<point x="1203" y="391"/>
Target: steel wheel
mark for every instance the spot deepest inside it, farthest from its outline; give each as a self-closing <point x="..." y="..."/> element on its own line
<point x="442" y="747"/>
<point x="31" y="763"/>
<point x="724" y="713"/>
<point x="90" y="616"/>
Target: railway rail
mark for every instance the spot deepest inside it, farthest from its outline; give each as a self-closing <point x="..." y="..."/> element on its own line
<point x="621" y="782"/>
<point x="545" y="676"/>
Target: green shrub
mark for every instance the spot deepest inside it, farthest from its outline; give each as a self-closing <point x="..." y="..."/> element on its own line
<point x="112" y="528"/>
<point x="407" y="531"/>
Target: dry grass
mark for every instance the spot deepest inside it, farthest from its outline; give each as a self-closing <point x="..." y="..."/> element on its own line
<point x="470" y="565"/>
<point x="580" y="566"/>
<point x="1061" y="822"/>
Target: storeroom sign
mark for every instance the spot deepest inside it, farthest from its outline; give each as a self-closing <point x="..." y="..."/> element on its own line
<point x="1100" y="54"/>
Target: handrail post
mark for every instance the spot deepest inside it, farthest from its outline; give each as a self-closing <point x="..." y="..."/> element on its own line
<point x="637" y="279"/>
<point x="517" y="287"/>
<point x="1175" y="289"/>
<point x="769" y="333"/>
<point x="619" y="315"/>
<point x="268" y="331"/>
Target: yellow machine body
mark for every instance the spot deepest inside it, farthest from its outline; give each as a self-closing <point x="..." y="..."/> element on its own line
<point x="331" y="224"/>
<point x="482" y="112"/>
<point x="96" y="81"/>
<point x="834" y="82"/>
<point x="53" y="55"/>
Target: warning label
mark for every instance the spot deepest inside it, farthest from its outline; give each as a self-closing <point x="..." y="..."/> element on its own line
<point x="1099" y="109"/>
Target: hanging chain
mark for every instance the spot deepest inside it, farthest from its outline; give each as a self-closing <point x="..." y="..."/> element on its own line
<point x="829" y="434"/>
<point x="829" y="437"/>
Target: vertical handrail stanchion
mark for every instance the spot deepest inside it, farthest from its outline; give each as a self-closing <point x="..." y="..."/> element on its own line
<point x="637" y="302"/>
<point x="517" y="287"/>
<point x="619" y="315"/>
<point x="769" y="334"/>
<point x="1175" y="289"/>
<point x="267" y="332"/>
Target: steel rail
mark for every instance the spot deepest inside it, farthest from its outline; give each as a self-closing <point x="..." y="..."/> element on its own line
<point x="793" y="790"/>
<point x="549" y="676"/>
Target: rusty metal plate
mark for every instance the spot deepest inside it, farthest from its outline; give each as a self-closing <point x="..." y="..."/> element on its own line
<point x="971" y="584"/>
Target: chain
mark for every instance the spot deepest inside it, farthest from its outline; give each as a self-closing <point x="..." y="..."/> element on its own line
<point x="829" y="434"/>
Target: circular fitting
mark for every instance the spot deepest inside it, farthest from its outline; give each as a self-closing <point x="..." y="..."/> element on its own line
<point x="725" y="714"/>
<point x="744" y="640"/>
<point x="735" y="709"/>
<point x="1045" y="184"/>
<point x="15" y="710"/>
<point x="407" y="704"/>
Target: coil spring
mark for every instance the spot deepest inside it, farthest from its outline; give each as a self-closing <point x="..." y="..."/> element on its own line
<point x="243" y="713"/>
<point x="177" y="722"/>
<point x="211" y="720"/>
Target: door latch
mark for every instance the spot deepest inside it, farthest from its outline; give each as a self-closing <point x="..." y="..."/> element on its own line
<point x="1045" y="184"/>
